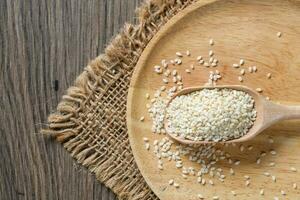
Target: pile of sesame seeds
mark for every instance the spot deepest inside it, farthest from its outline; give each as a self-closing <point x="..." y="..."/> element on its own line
<point x="206" y="157"/>
<point x="211" y="115"/>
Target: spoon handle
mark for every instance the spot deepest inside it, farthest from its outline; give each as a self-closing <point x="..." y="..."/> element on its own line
<point x="289" y="112"/>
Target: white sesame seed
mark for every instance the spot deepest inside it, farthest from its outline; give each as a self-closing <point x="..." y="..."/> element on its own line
<point x="272" y="164"/>
<point x="199" y="58"/>
<point x="231" y="171"/>
<point x="283" y="192"/>
<point x="242" y="62"/>
<point x="214" y="64"/>
<point x="274" y="178"/>
<point x="178" y="61"/>
<point x="242" y="148"/>
<point x="268" y="98"/>
<point x="242" y="72"/>
<point x="176" y="185"/>
<point x="276" y="198"/>
<point x="240" y="79"/>
<point x="188" y="71"/>
<point x="174" y="79"/>
<point x="146" y="139"/>
<point x="295" y="186"/>
<point x="270" y="140"/>
<point x="254" y="68"/>
<point x="163" y="88"/>
<point x="142" y="118"/>
<point x="273" y="152"/>
<point x="179" y="54"/>
<point x="269" y="75"/>
<point x="171" y="181"/>
<point x="247" y="183"/>
<point x="258" y="161"/>
<point x="211" y="42"/>
<point x="250" y="69"/>
<point x="235" y="66"/>
<point x="258" y="90"/>
<point x="293" y="169"/>
<point x="262" y="192"/>
<point x="174" y="72"/>
<point x="200" y="196"/>
<point x="147" y="146"/>
<point x="247" y="177"/>
<point x="206" y="64"/>
<point x="250" y="147"/>
<point x="233" y="193"/>
<point x="211" y="53"/>
<point x="201" y="62"/>
<point x="165" y="81"/>
<point x="216" y="198"/>
<point x="192" y="67"/>
<point x="279" y="34"/>
<point x="237" y="162"/>
<point x="147" y="96"/>
<point x="211" y="182"/>
<point x="188" y="53"/>
<point x="267" y="174"/>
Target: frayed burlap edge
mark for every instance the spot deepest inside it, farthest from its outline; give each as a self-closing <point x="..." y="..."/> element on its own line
<point x="90" y="120"/>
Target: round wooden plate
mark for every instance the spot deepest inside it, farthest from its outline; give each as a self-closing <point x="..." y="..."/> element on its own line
<point x="241" y="30"/>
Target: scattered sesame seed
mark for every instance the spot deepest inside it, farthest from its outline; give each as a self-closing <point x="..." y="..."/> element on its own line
<point x="233" y="193"/>
<point x="276" y="198"/>
<point x="188" y="53"/>
<point x="271" y="164"/>
<point x="247" y="183"/>
<point x="214" y="64"/>
<point x="247" y="177"/>
<point x="268" y="98"/>
<point x="165" y="81"/>
<point x="250" y="69"/>
<point x="273" y="152"/>
<point x="242" y="62"/>
<point x="231" y="171"/>
<point x="176" y="185"/>
<point x="147" y="96"/>
<point x="211" y="53"/>
<point x="242" y="72"/>
<point x="201" y="62"/>
<point x="192" y="67"/>
<point x="250" y="147"/>
<point x="258" y="90"/>
<point x="295" y="186"/>
<point x="240" y="79"/>
<point x="283" y="192"/>
<point x="199" y="58"/>
<point x="211" y="42"/>
<point x="188" y="71"/>
<point x="258" y="161"/>
<point x="216" y="198"/>
<point x="200" y="196"/>
<point x="163" y="88"/>
<point x="171" y="181"/>
<point x="267" y="174"/>
<point x="237" y="162"/>
<point x="211" y="182"/>
<point x="262" y="192"/>
<point x="274" y="178"/>
<point x="270" y="139"/>
<point x="269" y="75"/>
<point x="293" y="169"/>
<point x="254" y="68"/>
<point x="147" y="146"/>
<point x="279" y="34"/>
<point x="242" y="148"/>
<point x="206" y="64"/>
<point x="146" y="139"/>
<point x="235" y="66"/>
<point x="179" y="54"/>
<point x="142" y="118"/>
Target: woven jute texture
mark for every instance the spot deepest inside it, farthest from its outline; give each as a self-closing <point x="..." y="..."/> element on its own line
<point x="90" y="120"/>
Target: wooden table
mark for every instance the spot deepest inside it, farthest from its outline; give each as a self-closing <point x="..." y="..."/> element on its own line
<point x="44" y="45"/>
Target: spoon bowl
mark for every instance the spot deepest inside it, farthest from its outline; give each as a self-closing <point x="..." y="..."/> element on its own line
<point x="268" y="113"/>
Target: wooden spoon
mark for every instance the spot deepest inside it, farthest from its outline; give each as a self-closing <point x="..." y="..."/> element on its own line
<point x="268" y="113"/>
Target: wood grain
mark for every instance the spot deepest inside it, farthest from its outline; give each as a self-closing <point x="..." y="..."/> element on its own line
<point x="44" y="45"/>
<point x="241" y="29"/>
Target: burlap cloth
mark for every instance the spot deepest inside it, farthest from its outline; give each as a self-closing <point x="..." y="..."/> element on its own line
<point x="90" y="120"/>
